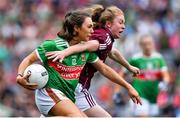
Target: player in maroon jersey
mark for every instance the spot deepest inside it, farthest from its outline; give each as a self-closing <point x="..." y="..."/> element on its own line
<point x="110" y="24"/>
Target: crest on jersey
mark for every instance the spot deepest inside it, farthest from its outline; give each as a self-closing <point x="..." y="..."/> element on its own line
<point x="83" y="57"/>
<point x="74" y="62"/>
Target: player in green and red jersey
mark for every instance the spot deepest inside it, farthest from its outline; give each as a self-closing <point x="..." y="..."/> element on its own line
<point x="109" y="23"/>
<point x="57" y="97"/>
<point x="153" y="70"/>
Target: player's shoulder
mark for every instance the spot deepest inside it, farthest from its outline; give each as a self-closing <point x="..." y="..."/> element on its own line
<point x="157" y="55"/>
<point x="137" y="56"/>
<point x="100" y="30"/>
<point x="55" y="42"/>
<point x="140" y="55"/>
<point x="48" y="42"/>
<point x="99" y="33"/>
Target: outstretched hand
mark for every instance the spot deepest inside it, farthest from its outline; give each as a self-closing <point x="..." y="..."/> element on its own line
<point x="55" y="55"/>
<point x="23" y="81"/>
<point x="134" y="70"/>
<point x="134" y="95"/>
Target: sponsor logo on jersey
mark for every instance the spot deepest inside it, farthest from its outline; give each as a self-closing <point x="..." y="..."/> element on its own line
<point x="67" y="72"/>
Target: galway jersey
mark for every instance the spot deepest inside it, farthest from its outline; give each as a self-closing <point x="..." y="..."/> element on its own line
<point x="63" y="76"/>
<point x="147" y="82"/>
<point x="105" y="39"/>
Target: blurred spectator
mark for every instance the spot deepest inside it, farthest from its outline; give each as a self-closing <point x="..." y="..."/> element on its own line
<point x="170" y="23"/>
<point x="174" y="43"/>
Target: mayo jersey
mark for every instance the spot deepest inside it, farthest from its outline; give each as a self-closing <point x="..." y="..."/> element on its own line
<point x="147" y="82"/>
<point x="63" y="76"/>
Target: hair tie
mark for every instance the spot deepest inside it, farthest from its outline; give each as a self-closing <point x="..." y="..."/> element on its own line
<point x="68" y="14"/>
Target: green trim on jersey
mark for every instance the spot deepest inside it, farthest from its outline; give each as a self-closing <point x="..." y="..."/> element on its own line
<point x="64" y="76"/>
<point x="147" y="82"/>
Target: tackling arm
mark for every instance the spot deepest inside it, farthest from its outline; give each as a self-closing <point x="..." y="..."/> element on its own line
<point x="91" y="45"/>
<point x="118" y="57"/>
<point x="113" y="76"/>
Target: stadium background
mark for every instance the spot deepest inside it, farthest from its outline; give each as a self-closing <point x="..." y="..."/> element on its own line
<point x="26" y="23"/>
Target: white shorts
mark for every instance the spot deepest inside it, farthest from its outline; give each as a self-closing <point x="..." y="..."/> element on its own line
<point x="146" y="108"/>
<point x="46" y="98"/>
<point x="84" y="99"/>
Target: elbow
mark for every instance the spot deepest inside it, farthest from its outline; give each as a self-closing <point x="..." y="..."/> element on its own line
<point x="93" y="45"/>
<point x="104" y="70"/>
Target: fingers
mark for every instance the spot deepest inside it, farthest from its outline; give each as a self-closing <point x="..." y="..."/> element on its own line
<point x="50" y="53"/>
<point x="52" y="56"/>
<point x="26" y="77"/>
<point x="28" y="74"/>
<point x="31" y="86"/>
<point x="136" y="72"/>
<point x="58" y="57"/>
<point x="134" y="75"/>
<point x="136" y="100"/>
<point x="55" y="56"/>
<point x="61" y="60"/>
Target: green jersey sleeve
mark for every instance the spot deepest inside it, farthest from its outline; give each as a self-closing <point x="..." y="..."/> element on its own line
<point x="92" y="58"/>
<point x="46" y="46"/>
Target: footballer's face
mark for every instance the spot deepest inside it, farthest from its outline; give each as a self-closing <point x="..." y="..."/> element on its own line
<point x="147" y="45"/>
<point x="117" y="26"/>
<point x="86" y="30"/>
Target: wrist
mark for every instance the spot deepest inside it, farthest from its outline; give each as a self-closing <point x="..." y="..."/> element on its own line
<point x="19" y="74"/>
<point x="66" y="53"/>
<point x="129" y="67"/>
<point x="128" y="86"/>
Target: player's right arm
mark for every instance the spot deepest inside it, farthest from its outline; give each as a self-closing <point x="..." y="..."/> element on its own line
<point x="22" y="79"/>
<point x="91" y="46"/>
<point x="38" y="54"/>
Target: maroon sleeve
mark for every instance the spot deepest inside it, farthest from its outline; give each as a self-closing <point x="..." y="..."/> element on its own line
<point x="100" y="36"/>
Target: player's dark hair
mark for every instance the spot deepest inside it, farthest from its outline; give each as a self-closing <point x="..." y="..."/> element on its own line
<point x="71" y="20"/>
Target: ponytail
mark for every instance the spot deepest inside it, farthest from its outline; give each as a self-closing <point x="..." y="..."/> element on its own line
<point x="101" y="15"/>
<point x="95" y="12"/>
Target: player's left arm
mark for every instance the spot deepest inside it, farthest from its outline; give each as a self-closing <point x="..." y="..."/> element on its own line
<point x="163" y="85"/>
<point x="164" y="70"/>
<point x="118" y="57"/>
<point x="165" y="76"/>
<point x="116" y="78"/>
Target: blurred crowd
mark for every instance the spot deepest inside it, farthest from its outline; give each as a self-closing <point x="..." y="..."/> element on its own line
<point x="26" y="23"/>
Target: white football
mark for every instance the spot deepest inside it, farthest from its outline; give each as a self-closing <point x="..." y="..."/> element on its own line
<point x="39" y="75"/>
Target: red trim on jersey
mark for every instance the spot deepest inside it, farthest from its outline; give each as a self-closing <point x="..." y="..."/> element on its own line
<point x="54" y="97"/>
<point x="149" y="75"/>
